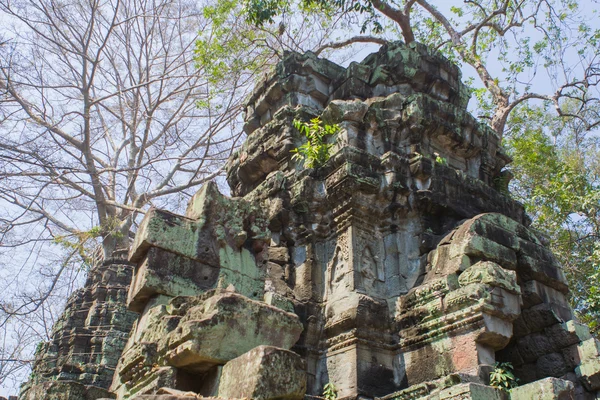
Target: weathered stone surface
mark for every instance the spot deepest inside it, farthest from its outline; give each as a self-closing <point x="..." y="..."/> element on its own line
<point x="225" y="326"/>
<point x="492" y="274"/>
<point x="174" y="394"/>
<point x="196" y="334"/>
<point x="545" y="389"/>
<point x="87" y="340"/>
<point x="66" y="390"/>
<point x="183" y="256"/>
<point x="588" y="369"/>
<point x="472" y="391"/>
<point x="264" y="372"/>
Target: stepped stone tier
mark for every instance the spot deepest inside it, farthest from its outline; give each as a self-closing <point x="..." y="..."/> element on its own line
<point x="87" y="340"/>
<point x="399" y="269"/>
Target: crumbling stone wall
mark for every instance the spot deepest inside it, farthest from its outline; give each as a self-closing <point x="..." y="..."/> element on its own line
<point x="400" y="269"/>
<point x="87" y="340"/>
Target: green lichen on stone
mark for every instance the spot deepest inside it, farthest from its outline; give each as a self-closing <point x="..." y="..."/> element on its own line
<point x="491" y="274"/>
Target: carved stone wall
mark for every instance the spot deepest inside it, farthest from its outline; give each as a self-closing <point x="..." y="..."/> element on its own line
<point x="399" y="269"/>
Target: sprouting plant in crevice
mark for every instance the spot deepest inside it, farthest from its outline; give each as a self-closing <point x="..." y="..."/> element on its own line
<point x="85" y="243"/>
<point x="440" y="160"/>
<point x="316" y="151"/>
<point x="502" y="376"/>
<point x="329" y="391"/>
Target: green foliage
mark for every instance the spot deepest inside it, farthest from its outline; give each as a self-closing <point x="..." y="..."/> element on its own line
<point x="502" y="376"/>
<point x="316" y="151"/>
<point x="227" y="47"/>
<point x="83" y="243"/>
<point x="556" y="164"/>
<point x="330" y="391"/>
<point x="260" y="12"/>
<point x="441" y="160"/>
<point x="39" y="347"/>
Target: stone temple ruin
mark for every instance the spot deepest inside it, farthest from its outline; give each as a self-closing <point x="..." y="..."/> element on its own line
<point x="400" y="269"/>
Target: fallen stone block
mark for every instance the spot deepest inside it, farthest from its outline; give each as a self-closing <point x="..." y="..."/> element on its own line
<point x="264" y="372"/>
<point x="225" y="326"/>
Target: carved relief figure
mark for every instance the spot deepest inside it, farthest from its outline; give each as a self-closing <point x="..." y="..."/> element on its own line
<point x="337" y="270"/>
<point x="371" y="272"/>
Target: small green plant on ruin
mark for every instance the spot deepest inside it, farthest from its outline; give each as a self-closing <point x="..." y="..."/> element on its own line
<point x="83" y="243"/>
<point x="315" y="152"/>
<point x="329" y="391"/>
<point x="440" y="160"/>
<point x="502" y="376"/>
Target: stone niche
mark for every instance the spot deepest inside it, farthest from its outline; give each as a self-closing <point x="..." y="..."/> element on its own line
<point x="400" y="269"/>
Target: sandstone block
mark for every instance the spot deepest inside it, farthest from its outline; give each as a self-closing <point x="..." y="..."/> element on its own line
<point x="264" y="372"/>
<point x="582" y="331"/>
<point x="545" y="389"/>
<point x="547" y="271"/>
<point x="280" y="255"/>
<point x="589" y="349"/>
<point x="66" y="390"/>
<point x="481" y="246"/>
<point x="276" y="300"/>
<point x="166" y="273"/>
<point x="491" y="227"/>
<point x="226" y="326"/>
<point x="589" y="374"/>
<point x="472" y="391"/>
<point x="588" y="370"/>
<point x="339" y="110"/>
<point x="168" y="231"/>
<point x="535" y="293"/>
<point x="492" y="274"/>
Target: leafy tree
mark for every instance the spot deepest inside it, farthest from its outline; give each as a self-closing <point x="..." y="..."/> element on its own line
<point x="103" y="112"/>
<point x="299" y="28"/>
<point x="557" y="178"/>
<point x="522" y="36"/>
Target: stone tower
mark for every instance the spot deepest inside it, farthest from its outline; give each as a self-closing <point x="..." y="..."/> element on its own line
<point x="399" y="269"/>
<point x="87" y="340"/>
